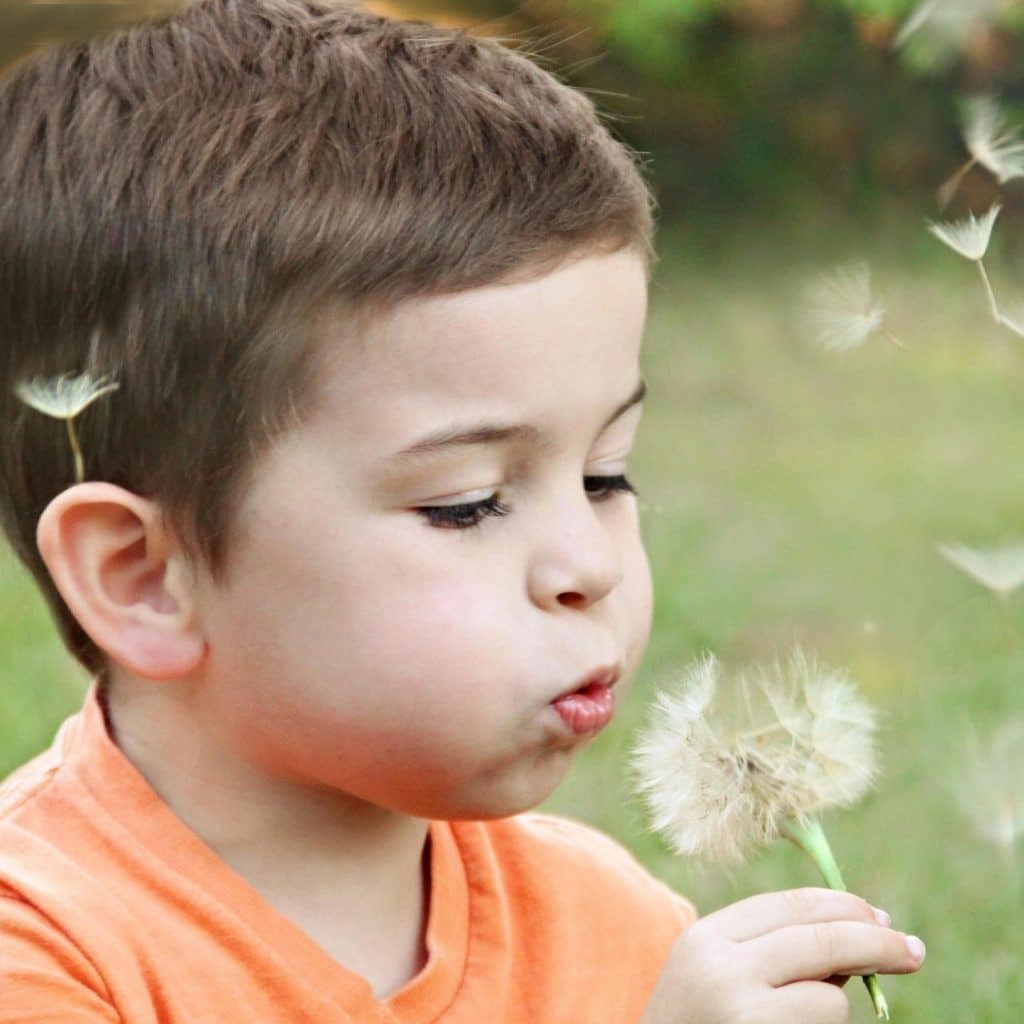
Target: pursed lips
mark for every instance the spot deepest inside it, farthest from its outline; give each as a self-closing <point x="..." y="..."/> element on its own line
<point x="607" y="675"/>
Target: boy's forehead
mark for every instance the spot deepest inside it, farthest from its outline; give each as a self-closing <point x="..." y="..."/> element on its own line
<point x="496" y="355"/>
<point x="586" y="317"/>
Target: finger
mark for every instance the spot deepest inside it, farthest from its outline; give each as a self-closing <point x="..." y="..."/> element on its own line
<point x="811" y="1000"/>
<point x="813" y="952"/>
<point x="767" y="912"/>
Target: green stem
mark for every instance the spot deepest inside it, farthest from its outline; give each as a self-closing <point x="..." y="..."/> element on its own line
<point x="811" y="838"/>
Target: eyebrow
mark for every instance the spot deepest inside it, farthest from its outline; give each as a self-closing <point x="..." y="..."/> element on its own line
<point x="489" y="433"/>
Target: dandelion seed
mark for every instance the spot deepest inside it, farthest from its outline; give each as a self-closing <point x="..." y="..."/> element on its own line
<point x="991" y="142"/>
<point x="947" y="23"/>
<point x="989" y="786"/>
<point x="840" y="311"/>
<point x="918" y="17"/>
<point x="63" y="398"/>
<point x="969" y="237"/>
<point x="996" y="145"/>
<point x="719" y="777"/>
<point x="1015" y="322"/>
<point x="999" y="569"/>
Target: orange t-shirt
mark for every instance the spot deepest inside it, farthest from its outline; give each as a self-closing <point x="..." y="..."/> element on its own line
<point x="111" y="909"/>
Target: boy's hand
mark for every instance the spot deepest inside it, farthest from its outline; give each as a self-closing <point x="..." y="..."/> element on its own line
<point x="777" y="958"/>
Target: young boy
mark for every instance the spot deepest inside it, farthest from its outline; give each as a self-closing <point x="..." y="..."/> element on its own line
<point x="355" y="562"/>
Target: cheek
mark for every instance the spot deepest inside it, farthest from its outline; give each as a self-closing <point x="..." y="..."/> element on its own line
<point x="640" y="600"/>
<point x="398" y="606"/>
<point x="444" y="625"/>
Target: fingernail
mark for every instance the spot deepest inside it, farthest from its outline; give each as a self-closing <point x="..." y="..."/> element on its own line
<point x="916" y="947"/>
<point x="882" y="917"/>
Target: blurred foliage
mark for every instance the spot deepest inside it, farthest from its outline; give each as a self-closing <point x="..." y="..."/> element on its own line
<point x="749" y="105"/>
<point x="28" y="25"/>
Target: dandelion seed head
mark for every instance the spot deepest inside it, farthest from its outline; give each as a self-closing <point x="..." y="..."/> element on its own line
<point x="839" y="310"/>
<point x="969" y="237"/>
<point x="63" y="397"/>
<point x="996" y="145"/>
<point x="999" y="569"/>
<point x="721" y="772"/>
<point x="989" y="784"/>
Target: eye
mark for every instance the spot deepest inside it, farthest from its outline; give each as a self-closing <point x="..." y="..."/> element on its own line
<point x="461" y="517"/>
<point x="469" y="514"/>
<point x="603" y="487"/>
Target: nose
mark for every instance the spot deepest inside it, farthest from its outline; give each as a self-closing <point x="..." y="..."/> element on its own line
<point x="578" y="560"/>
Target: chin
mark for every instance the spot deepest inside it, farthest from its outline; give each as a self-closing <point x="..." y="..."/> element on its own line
<point x="513" y="794"/>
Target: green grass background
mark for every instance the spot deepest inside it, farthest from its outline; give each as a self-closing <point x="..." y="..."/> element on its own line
<point x="789" y="495"/>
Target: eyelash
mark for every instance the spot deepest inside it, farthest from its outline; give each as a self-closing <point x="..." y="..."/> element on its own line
<point x="464" y="517"/>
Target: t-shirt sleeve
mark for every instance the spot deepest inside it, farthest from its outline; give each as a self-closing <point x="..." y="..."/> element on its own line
<point x="44" y="977"/>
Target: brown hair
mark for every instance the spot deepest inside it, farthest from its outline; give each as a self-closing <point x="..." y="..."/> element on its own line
<point x="177" y="200"/>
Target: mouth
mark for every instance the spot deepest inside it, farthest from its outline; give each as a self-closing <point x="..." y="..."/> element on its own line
<point x="589" y="705"/>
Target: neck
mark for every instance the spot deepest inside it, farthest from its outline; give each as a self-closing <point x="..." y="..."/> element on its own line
<point x="315" y="854"/>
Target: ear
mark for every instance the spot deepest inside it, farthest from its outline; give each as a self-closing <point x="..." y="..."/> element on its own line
<point x="124" y="578"/>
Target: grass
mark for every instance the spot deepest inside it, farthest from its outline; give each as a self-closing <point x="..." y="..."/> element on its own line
<point x="793" y="496"/>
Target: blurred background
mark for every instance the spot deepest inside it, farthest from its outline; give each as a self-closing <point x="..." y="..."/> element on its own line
<point x="790" y="494"/>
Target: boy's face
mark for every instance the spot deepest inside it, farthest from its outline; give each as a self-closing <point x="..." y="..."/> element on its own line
<point x="366" y="645"/>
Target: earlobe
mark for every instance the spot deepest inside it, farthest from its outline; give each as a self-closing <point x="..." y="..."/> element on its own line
<point x="124" y="577"/>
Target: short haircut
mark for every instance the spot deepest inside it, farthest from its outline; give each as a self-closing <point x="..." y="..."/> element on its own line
<point x="179" y="201"/>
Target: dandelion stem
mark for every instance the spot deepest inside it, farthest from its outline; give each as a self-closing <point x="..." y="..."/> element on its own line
<point x="886" y="333"/>
<point x="810" y="837"/>
<point x="79" y="461"/>
<point x="992" y="305"/>
<point x="945" y="192"/>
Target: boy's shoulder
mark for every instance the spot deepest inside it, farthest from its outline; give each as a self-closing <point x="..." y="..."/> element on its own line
<point x="26" y="781"/>
<point x="569" y="856"/>
<point x="43" y="806"/>
<point x="43" y="797"/>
